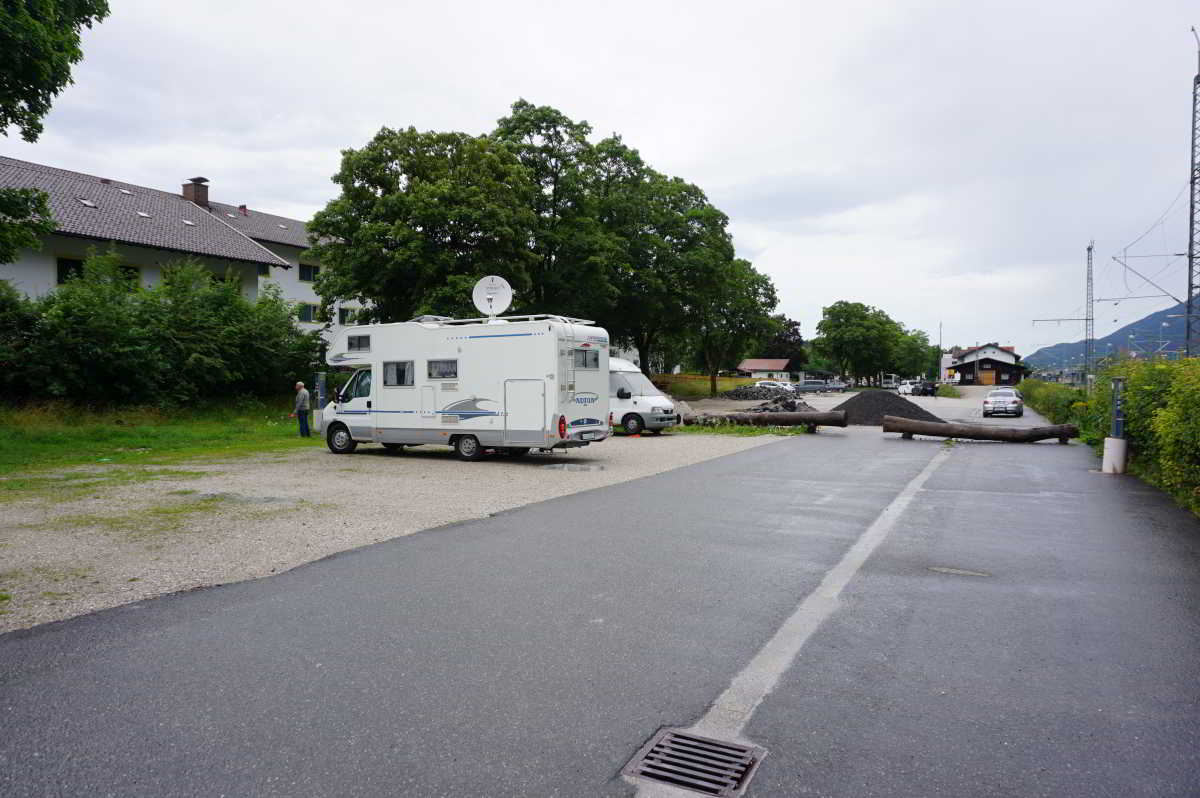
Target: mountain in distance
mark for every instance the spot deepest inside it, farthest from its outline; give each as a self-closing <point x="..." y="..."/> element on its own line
<point x="1146" y="334"/>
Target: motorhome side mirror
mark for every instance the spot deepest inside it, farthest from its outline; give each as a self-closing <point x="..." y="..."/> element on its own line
<point x="623" y="393"/>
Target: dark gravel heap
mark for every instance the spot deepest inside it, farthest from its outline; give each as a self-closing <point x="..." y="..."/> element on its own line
<point x="760" y="394"/>
<point x="782" y="404"/>
<point x="867" y="408"/>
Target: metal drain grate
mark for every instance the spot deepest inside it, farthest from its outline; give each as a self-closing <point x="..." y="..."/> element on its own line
<point x="699" y="764"/>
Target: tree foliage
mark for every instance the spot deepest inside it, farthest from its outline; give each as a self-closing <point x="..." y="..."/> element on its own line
<point x="863" y="341"/>
<point x="24" y="219"/>
<point x="787" y="343"/>
<point x="420" y="218"/>
<point x="101" y="338"/>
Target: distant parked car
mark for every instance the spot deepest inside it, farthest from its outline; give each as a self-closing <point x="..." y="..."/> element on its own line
<point x="812" y="386"/>
<point x="1006" y="400"/>
<point x="786" y="386"/>
<point x="923" y="388"/>
<point x="906" y="387"/>
<point x="835" y="385"/>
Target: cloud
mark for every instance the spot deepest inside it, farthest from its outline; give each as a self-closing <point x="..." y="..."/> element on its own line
<point x="945" y="161"/>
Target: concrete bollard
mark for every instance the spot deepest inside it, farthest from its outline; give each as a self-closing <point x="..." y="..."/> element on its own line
<point x="1113" y="461"/>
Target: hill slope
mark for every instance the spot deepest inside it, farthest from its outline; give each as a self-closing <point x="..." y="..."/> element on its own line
<point x="1146" y="339"/>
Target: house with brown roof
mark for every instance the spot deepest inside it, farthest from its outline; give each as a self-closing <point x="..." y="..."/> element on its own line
<point x="765" y="368"/>
<point x="989" y="364"/>
<point x="149" y="228"/>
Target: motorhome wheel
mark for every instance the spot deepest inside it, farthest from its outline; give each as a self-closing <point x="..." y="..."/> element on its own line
<point x="467" y="447"/>
<point x="339" y="441"/>
<point x="632" y="424"/>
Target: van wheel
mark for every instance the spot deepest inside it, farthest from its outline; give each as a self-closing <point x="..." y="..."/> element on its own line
<point x="632" y="424"/>
<point x="467" y="447"/>
<point x="394" y="447"/>
<point x="339" y="441"/>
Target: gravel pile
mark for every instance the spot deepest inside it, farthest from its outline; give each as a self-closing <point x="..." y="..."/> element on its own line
<point x="745" y="392"/>
<point x="867" y="408"/>
<point x="782" y="404"/>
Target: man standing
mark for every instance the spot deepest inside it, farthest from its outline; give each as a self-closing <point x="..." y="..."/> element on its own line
<point x="301" y="410"/>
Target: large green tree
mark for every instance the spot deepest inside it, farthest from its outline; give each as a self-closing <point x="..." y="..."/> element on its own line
<point x="39" y="43"/>
<point x="787" y="343"/>
<point x="730" y="312"/>
<point x="861" y="339"/>
<point x="420" y="217"/>
<point x="570" y="267"/>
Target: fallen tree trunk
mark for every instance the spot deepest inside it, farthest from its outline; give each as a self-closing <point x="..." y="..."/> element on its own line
<point x="810" y="419"/>
<point x="979" y="432"/>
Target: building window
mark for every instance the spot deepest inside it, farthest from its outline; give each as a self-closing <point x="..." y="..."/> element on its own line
<point x="443" y="369"/>
<point x="398" y="374"/>
<point x="345" y="316"/>
<point x="264" y="270"/>
<point x="358" y="343"/>
<point x="587" y="358"/>
<point x="68" y="268"/>
<point x="307" y="312"/>
<point x="309" y="274"/>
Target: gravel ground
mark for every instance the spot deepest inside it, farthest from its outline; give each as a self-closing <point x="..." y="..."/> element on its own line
<point x="65" y="555"/>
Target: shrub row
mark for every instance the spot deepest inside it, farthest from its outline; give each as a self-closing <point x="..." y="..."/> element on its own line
<point x="1162" y="419"/>
<point x="98" y="339"/>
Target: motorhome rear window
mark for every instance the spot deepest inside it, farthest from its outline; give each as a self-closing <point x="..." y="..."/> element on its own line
<point x="587" y="358"/>
<point x="443" y="369"/>
<point x="358" y="343"/>
<point x="398" y="374"/>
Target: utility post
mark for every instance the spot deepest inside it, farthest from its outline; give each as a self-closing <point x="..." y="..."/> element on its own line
<point x="1191" y="325"/>
<point x="1089" y="335"/>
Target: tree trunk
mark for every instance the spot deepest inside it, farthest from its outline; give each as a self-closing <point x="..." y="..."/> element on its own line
<point x="979" y="432"/>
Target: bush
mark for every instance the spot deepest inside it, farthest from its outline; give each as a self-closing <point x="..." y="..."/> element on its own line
<point x="1176" y="430"/>
<point x="101" y="339"/>
<point x="948" y="391"/>
<point x="1053" y="400"/>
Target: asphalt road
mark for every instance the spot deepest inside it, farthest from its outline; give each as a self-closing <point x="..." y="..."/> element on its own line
<point x="1056" y="652"/>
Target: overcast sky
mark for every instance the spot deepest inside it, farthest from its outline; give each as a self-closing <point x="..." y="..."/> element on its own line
<point x="945" y="161"/>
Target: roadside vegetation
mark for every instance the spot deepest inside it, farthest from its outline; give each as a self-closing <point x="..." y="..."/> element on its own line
<point x="1162" y="419"/>
<point x="948" y="391"/>
<point x="59" y="434"/>
<point x="740" y="430"/>
<point x="696" y="386"/>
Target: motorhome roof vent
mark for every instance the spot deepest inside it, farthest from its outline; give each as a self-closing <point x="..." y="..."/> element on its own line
<point x="431" y="319"/>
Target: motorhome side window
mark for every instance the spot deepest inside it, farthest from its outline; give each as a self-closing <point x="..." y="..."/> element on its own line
<point x="358" y="343"/>
<point x="443" y="369"/>
<point x="398" y="374"/>
<point x="587" y="358"/>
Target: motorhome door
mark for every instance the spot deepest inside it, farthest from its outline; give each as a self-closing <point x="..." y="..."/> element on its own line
<point x="356" y="410"/>
<point x="525" y="412"/>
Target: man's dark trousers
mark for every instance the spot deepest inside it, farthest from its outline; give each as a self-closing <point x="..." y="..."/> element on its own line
<point x="302" y="417"/>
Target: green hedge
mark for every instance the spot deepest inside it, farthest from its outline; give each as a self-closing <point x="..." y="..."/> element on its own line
<point x="1162" y="419"/>
<point x="101" y="339"/>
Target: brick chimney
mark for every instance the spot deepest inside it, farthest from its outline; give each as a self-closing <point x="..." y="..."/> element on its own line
<point x="196" y="190"/>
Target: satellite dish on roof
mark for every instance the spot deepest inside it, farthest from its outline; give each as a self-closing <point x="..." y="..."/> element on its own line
<point x="492" y="295"/>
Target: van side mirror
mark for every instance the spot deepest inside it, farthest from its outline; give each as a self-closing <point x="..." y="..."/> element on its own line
<point x="623" y="393"/>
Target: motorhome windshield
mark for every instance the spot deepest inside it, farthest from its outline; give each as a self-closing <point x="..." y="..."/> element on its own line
<point x="633" y="381"/>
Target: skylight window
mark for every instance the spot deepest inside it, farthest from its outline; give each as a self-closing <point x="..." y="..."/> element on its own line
<point x="143" y="214"/>
<point x="231" y="216"/>
<point x="126" y="192"/>
<point x="87" y="203"/>
<point x="189" y="223"/>
<point x="283" y="227"/>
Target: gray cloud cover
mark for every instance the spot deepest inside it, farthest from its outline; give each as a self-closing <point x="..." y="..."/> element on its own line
<point x="945" y="161"/>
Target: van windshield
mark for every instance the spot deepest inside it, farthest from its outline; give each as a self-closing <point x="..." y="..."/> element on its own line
<point x="633" y="381"/>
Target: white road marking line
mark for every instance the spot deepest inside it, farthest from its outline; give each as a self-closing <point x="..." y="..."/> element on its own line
<point x="730" y="713"/>
<point x="733" y="709"/>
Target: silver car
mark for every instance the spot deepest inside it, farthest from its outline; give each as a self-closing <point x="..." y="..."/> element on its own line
<point x="1006" y="401"/>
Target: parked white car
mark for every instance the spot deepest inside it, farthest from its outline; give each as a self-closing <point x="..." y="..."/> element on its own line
<point x="787" y="386"/>
<point x="906" y="387"/>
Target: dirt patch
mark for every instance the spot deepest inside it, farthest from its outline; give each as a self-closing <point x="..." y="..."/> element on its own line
<point x="867" y="408"/>
<point x="80" y="540"/>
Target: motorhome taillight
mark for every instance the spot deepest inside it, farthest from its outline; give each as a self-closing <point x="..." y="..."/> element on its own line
<point x="562" y="426"/>
<point x="610" y="419"/>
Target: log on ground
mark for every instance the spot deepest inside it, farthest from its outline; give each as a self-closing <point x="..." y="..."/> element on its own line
<point x="829" y="418"/>
<point x="980" y="432"/>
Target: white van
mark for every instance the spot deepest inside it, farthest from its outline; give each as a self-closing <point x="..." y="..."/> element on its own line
<point x="635" y="404"/>
<point x="505" y="384"/>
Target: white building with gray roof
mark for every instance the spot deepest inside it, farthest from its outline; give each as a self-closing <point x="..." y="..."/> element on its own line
<point x="150" y="228"/>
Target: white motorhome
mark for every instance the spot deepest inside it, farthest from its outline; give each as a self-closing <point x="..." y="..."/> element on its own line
<point x="636" y="404"/>
<point x="506" y="384"/>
